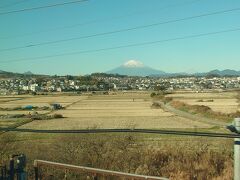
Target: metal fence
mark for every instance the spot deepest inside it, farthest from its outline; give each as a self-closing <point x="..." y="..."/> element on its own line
<point x="3" y="172"/>
<point x="94" y="172"/>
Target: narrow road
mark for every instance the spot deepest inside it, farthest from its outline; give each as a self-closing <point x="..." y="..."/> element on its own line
<point x="146" y="131"/>
<point x="168" y="107"/>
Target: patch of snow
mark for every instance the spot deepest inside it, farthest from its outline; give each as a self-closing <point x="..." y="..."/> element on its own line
<point x="133" y="63"/>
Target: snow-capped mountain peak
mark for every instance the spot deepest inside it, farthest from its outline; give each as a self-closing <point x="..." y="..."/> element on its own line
<point x="133" y="63"/>
<point x="135" y="68"/>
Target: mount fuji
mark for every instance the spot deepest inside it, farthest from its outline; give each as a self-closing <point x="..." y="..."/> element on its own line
<point x="136" y="68"/>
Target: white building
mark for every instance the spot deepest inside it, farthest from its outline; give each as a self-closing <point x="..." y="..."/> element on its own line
<point x="25" y="88"/>
<point x="34" y="87"/>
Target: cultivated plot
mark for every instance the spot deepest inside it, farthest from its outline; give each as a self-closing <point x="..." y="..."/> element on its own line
<point x="115" y="111"/>
<point x="224" y="102"/>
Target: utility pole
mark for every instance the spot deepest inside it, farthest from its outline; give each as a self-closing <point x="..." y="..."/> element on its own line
<point x="237" y="151"/>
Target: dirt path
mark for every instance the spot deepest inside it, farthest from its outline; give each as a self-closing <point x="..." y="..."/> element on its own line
<point x="168" y="107"/>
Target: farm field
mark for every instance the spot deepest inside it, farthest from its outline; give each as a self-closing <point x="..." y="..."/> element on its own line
<point x="115" y="111"/>
<point x="41" y="101"/>
<point x="22" y="101"/>
<point x="224" y="102"/>
<point x="4" y="123"/>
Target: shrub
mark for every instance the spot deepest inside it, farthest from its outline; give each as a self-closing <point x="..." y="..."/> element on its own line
<point x="210" y="100"/>
<point x="167" y="99"/>
<point x="57" y="116"/>
<point x="16" y="115"/>
<point x="17" y="108"/>
<point x="156" y="106"/>
<point x="38" y="117"/>
<point x="44" y="108"/>
<point x="153" y="94"/>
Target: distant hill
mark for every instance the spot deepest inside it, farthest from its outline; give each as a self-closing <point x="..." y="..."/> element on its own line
<point x="2" y="71"/>
<point x="216" y="72"/>
<point x="5" y="74"/>
<point x="227" y="72"/>
<point x="136" y="68"/>
<point x="28" y="73"/>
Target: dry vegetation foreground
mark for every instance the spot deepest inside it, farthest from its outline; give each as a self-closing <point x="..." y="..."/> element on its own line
<point x="177" y="159"/>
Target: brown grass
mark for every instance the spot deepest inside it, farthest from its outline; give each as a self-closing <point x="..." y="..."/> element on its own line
<point x="224" y="102"/>
<point x="126" y="153"/>
<point x="204" y="111"/>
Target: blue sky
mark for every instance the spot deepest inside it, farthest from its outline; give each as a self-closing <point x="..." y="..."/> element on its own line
<point x="97" y="16"/>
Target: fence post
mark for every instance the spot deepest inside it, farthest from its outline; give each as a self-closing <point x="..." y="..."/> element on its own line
<point x="237" y="151"/>
<point x="1" y="175"/>
<point x="36" y="170"/>
<point x="65" y="175"/>
<point x="95" y="177"/>
<point x="4" y="171"/>
<point x="11" y="168"/>
<point x="21" y="165"/>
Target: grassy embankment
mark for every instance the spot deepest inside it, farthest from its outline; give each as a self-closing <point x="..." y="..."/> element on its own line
<point x="200" y="110"/>
<point x="204" y="111"/>
<point x="190" y="159"/>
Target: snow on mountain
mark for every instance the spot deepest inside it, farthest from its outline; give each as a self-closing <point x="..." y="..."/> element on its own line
<point x="135" y="68"/>
<point x="133" y="63"/>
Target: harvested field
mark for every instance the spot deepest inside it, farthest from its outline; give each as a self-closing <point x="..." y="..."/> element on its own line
<point x="224" y="102"/>
<point x="115" y="111"/>
<point x="219" y="105"/>
<point x="21" y="112"/>
<point x="42" y="101"/>
<point x="117" y="122"/>
<point x="39" y="101"/>
<point x="5" y="123"/>
<point x="215" y="95"/>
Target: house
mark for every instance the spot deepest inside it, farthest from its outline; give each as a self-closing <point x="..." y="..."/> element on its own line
<point x="34" y="87"/>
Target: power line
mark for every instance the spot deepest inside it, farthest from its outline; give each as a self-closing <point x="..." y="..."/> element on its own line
<point x="98" y="20"/>
<point x="13" y="4"/>
<point x="125" y="46"/>
<point x="121" y="30"/>
<point x="150" y="131"/>
<point x="42" y="7"/>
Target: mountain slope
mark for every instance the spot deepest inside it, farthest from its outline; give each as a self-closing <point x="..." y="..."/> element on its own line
<point x="135" y="68"/>
<point x="226" y="72"/>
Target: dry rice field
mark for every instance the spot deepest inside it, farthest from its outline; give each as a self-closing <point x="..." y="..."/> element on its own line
<point x="224" y="102"/>
<point x="21" y="101"/>
<point x="122" y="110"/>
<point x="40" y="101"/>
